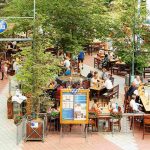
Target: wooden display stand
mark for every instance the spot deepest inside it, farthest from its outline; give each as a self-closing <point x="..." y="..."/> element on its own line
<point x="35" y="130"/>
<point x="74" y="105"/>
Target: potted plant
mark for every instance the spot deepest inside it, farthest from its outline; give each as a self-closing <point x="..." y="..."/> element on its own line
<point x="18" y="120"/>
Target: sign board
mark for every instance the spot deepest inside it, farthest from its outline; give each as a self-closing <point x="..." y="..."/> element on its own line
<point x="74" y="106"/>
<point x="3" y="26"/>
<point x="34" y="124"/>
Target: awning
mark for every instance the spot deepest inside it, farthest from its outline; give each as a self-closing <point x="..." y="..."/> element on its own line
<point x="15" y="39"/>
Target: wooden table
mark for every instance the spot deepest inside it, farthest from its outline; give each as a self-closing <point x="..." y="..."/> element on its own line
<point x="73" y="78"/>
<point x="96" y="89"/>
<point x="145" y="98"/>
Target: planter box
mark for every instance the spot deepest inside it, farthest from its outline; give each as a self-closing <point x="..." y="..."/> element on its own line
<point x="9" y="110"/>
<point x="35" y="130"/>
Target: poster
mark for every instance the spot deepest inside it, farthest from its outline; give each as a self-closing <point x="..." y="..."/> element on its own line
<point x="74" y="106"/>
<point x="80" y="107"/>
<point x="67" y="105"/>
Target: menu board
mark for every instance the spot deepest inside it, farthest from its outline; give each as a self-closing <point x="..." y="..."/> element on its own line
<point x="74" y="106"/>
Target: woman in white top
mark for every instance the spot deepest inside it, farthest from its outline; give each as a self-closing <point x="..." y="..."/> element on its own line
<point x="5" y="69"/>
<point x="95" y="79"/>
<point x="108" y="84"/>
<point x="137" y="80"/>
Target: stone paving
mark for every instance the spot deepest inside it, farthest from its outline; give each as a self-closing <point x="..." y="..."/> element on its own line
<point x="8" y="129"/>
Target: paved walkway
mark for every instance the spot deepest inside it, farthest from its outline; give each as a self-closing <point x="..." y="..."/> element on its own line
<point x="7" y="127"/>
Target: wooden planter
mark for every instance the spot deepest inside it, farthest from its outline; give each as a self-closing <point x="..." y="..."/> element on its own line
<point x="35" y="130"/>
<point x="9" y="110"/>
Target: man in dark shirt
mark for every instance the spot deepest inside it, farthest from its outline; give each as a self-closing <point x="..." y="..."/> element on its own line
<point x="131" y="90"/>
<point x="90" y="75"/>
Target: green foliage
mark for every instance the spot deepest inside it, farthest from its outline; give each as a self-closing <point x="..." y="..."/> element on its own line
<point x="36" y="70"/>
<point x="125" y="26"/>
<point x="68" y="23"/>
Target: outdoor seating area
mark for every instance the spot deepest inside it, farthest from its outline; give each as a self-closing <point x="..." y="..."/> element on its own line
<point x="74" y="75"/>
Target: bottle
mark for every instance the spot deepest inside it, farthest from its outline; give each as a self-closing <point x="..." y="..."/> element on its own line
<point x="117" y="107"/>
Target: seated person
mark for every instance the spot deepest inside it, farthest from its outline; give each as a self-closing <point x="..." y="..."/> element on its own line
<point x="95" y="79"/>
<point x="69" y="83"/>
<point x="135" y="106"/>
<point x="58" y="91"/>
<point x="105" y="61"/>
<point x="107" y="84"/>
<point x="104" y="73"/>
<point x="137" y="80"/>
<point x="130" y="91"/>
<point x="68" y="71"/>
<point x="52" y="84"/>
<point x="90" y="75"/>
<point x="95" y="105"/>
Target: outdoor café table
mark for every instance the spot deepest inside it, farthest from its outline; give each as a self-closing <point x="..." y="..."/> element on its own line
<point x="74" y="78"/>
<point x="145" y="97"/>
<point x="96" y="89"/>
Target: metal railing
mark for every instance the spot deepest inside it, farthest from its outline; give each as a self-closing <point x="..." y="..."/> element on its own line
<point x="125" y="124"/>
<point x="22" y="127"/>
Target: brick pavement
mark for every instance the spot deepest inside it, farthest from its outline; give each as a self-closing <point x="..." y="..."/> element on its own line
<point x="72" y="142"/>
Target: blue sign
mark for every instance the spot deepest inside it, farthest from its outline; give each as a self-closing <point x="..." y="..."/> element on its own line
<point x="3" y="26"/>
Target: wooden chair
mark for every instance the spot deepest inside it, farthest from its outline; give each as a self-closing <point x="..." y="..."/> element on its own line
<point x="137" y="120"/>
<point x="146" y="72"/>
<point x="92" y="121"/>
<point x="111" y="94"/>
<point x="146" y="125"/>
<point x="115" y="124"/>
<point x="116" y="91"/>
<point x="115" y="68"/>
<point x="127" y="108"/>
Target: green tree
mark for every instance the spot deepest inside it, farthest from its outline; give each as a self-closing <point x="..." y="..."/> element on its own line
<point x="68" y="23"/>
<point x="126" y="26"/>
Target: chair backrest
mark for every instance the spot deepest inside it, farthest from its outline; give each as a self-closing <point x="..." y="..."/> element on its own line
<point x="116" y="88"/>
<point x="147" y="120"/>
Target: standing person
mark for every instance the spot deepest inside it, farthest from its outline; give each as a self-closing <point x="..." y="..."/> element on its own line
<point x="137" y="80"/>
<point x="2" y="69"/>
<point x="67" y="62"/>
<point x="5" y="69"/>
<point x="81" y="58"/>
<point x="68" y="71"/>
